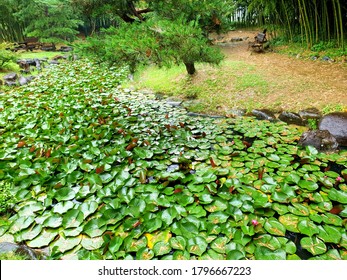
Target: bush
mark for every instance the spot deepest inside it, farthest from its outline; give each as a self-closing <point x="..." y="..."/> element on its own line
<point x="7" y="199"/>
<point x="6" y="56"/>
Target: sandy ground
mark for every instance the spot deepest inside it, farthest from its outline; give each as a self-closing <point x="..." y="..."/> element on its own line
<point x="299" y="83"/>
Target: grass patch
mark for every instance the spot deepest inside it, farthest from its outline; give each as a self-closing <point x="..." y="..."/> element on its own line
<point x="217" y="88"/>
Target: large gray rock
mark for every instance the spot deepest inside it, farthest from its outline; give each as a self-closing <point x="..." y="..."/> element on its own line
<point x="264" y="114"/>
<point x="322" y="140"/>
<point x="336" y="124"/>
<point x="11" y="77"/>
<point x="291" y="118"/>
<point x="310" y="113"/>
<point x="25" y="251"/>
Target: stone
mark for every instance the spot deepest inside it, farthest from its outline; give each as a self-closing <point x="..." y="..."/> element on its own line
<point x="236" y="113"/>
<point x="291" y="118"/>
<point x="310" y="113"/>
<point x="336" y="124"/>
<point x="7" y="247"/>
<point x="23" y="80"/>
<point x="264" y="114"/>
<point x="322" y="140"/>
<point x="11" y="77"/>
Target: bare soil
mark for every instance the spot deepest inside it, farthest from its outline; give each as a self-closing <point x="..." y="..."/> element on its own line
<point x="296" y="83"/>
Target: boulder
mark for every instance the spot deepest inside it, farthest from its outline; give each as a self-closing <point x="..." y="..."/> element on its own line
<point x="7" y="247"/>
<point x="336" y="124"/>
<point x="236" y="112"/>
<point x="264" y="114"/>
<point x="310" y="113"/>
<point x="23" y="80"/>
<point x="322" y="140"/>
<point x="291" y="118"/>
<point x="11" y="77"/>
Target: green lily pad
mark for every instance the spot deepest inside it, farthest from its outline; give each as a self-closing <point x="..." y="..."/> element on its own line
<point x="219" y="244"/>
<point x="65" y="244"/>
<point x="314" y="245"/>
<point x="43" y="239"/>
<point x="308" y="227"/>
<point x="308" y="185"/>
<point x="339" y="196"/>
<point x="161" y="248"/>
<point x="92" y="228"/>
<point x="330" y="234"/>
<point x="64" y="194"/>
<point x="178" y="243"/>
<point x="72" y="218"/>
<point x="263" y="253"/>
<point x="197" y="245"/>
<point x="53" y="221"/>
<point x="273" y="226"/>
<point x="21" y="223"/>
<point x="91" y="244"/>
<point x="145" y="254"/>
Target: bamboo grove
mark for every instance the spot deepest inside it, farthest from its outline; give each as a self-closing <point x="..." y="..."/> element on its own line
<point x="311" y="21"/>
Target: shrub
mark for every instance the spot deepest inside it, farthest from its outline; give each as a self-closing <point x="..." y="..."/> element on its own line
<point x="6" y="56"/>
<point x="7" y="199"/>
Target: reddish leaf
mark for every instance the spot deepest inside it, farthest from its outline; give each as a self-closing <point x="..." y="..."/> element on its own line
<point x="336" y="209"/>
<point x="99" y="169"/>
<point x="48" y="153"/>
<point x="131" y="146"/>
<point x="21" y="144"/>
<point x="136" y="224"/>
<point x="178" y="190"/>
<point x="32" y="149"/>
<point x="213" y="164"/>
<point x="260" y="173"/>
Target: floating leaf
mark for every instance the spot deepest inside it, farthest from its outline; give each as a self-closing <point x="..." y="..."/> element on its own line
<point x="53" y="221"/>
<point x="65" y="244"/>
<point x="308" y="227"/>
<point x="161" y="248"/>
<point x="274" y="227"/>
<point x="43" y="239"/>
<point x="145" y="254"/>
<point x="197" y="245"/>
<point x="21" y="223"/>
<point x="73" y="218"/>
<point x="91" y="243"/>
<point x="314" y="245"/>
<point x="263" y="253"/>
<point x="178" y="243"/>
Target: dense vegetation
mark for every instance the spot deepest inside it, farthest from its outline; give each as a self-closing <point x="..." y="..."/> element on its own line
<point x="98" y="172"/>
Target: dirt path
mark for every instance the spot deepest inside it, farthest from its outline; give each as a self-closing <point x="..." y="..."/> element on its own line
<point x="298" y="83"/>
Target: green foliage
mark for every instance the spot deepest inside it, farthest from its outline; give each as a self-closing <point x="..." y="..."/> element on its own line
<point x="6" y="56"/>
<point x="7" y="198"/>
<point x="161" y="42"/>
<point x="102" y="173"/>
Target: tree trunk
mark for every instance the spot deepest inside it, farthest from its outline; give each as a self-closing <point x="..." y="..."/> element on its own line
<point x="190" y="67"/>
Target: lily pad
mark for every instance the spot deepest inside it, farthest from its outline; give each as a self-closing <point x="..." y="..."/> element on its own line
<point x="314" y="245"/>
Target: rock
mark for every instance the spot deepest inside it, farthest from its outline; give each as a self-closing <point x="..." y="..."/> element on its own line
<point x="11" y="84"/>
<point x="174" y="103"/>
<point x="322" y="140"/>
<point x="53" y="62"/>
<point x="264" y="114"/>
<point x="291" y="118"/>
<point x="310" y="113"/>
<point x="23" y="80"/>
<point x="336" y="124"/>
<point x="65" y="49"/>
<point x="236" y="113"/>
<point x="7" y="247"/>
<point x="11" y="77"/>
